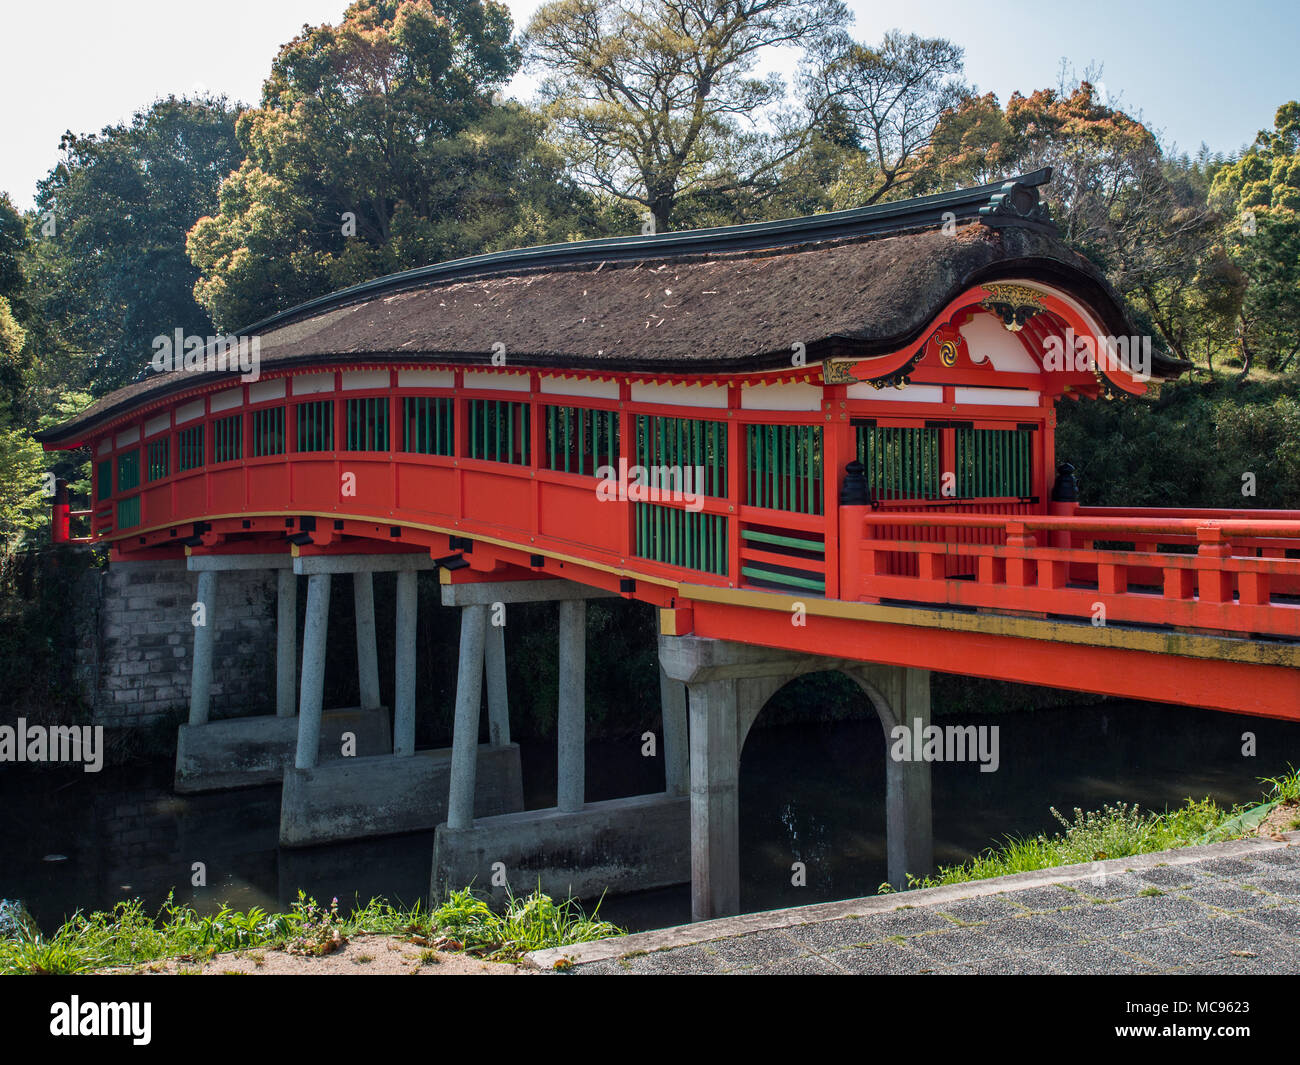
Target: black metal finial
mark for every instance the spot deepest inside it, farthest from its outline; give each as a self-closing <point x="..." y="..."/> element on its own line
<point x="1066" y="488"/>
<point x="855" y="491"/>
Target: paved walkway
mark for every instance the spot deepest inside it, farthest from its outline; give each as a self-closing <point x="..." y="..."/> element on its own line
<point x="1224" y="908"/>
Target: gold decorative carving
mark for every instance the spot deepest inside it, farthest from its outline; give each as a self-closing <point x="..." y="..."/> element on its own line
<point x="838" y="373"/>
<point x="1014" y="304"/>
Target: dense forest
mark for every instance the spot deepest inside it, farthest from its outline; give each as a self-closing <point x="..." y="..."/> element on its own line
<point x="386" y="141"/>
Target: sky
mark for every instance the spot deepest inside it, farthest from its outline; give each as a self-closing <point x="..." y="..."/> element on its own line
<point x="1195" y="71"/>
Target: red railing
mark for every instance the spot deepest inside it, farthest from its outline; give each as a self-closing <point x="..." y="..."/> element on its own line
<point x="1234" y="572"/>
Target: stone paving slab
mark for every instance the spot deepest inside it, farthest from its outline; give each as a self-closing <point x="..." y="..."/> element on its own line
<point x="1224" y="908"/>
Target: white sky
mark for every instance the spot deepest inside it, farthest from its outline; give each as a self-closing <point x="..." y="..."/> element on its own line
<point x="1192" y="71"/>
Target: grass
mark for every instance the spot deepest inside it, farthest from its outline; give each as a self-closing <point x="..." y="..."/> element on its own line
<point x="533" y="922"/>
<point x="127" y="935"/>
<point x="1117" y="831"/>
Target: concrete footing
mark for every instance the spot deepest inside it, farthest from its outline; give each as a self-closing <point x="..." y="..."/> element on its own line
<point x="617" y="846"/>
<point x="245" y="752"/>
<point x="384" y="795"/>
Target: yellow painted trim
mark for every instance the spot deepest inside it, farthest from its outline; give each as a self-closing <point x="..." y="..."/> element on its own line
<point x="668" y="621"/>
<point x="1184" y="644"/>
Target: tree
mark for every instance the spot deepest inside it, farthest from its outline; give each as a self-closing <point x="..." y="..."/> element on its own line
<point x="653" y="102"/>
<point x="377" y="147"/>
<point x="972" y="144"/>
<point x="1260" y="193"/>
<point x="114" y="214"/>
<point x="892" y="95"/>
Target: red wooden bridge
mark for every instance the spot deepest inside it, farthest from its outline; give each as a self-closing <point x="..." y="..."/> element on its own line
<point x="475" y="411"/>
<point x="822" y="443"/>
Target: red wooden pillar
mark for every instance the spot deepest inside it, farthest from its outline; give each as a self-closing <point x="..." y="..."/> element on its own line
<point x="536" y="447"/>
<point x="61" y="514"/>
<point x="737" y="464"/>
<point x="839" y="448"/>
<point x="460" y="406"/>
<point x="628" y="459"/>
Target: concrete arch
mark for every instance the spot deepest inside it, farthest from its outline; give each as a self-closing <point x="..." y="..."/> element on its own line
<point x="859" y="672"/>
<point x="729" y="684"/>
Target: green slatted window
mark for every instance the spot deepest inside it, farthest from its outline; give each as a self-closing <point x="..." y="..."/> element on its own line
<point x="158" y="459"/>
<point x="228" y="439"/>
<point x="268" y="432"/>
<point x="428" y="425"/>
<point x="498" y="431"/>
<point x="128" y="513"/>
<point x="580" y="440"/>
<point x="688" y="538"/>
<point x="189" y="448"/>
<point x="128" y="470"/>
<point x="994" y="463"/>
<point x="902" y="462"/>
<point x="103" y="479"/>
<point x="316" y="426"/>
<point x="366" y="424"/>
<point x="685" y="442"/>
<point x="785" y="467"/>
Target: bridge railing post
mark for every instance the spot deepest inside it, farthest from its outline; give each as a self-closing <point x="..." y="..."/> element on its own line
<point x="1214" y="583"/>
<point x="1020" y="563"/>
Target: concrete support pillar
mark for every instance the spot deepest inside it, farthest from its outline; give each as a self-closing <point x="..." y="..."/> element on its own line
<point x="715" y="800"/>
<point x="498" y="698"/>
<point x="571" y="724"/>
<point x="464" y="740"/>
<point x="404" y="664"/>
<point x="286" y="642"/>
<point x="204" y="636"/>
<point x="363" y="584"/>
<point x="908" y="804"/>
<point x="672" y="703"/>
<point x="312" y="690"/>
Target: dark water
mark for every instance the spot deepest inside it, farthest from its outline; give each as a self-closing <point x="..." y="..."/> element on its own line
<point x="809" y="793"/>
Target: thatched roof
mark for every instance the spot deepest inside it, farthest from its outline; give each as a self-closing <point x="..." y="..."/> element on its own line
<point x="729" y="300"/>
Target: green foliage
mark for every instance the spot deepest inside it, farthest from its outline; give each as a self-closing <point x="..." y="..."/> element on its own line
<point x="656" y="104"/>
<point x="114" y="273"/>
<point x="533" y="922"/>
<point x="1117" y="831"/>
<point x="1260" y="194"/>
<point x="1113" y="832"/>
<point x="1187" y="447"/>
<point x="377" y="147"/>
<point x="127" y="935"/>
<point x="23" y="508"/>
<point x="1286" y="786"/>
<point x="890" y="98"/>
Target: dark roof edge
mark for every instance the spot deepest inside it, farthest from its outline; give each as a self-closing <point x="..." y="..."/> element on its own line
<point x="1013" y="201"/>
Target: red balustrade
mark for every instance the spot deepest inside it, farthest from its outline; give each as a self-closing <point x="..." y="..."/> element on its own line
<point x="1237" y="574"/>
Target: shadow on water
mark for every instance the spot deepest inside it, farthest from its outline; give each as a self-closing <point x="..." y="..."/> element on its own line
<point x="811" y="793"/>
